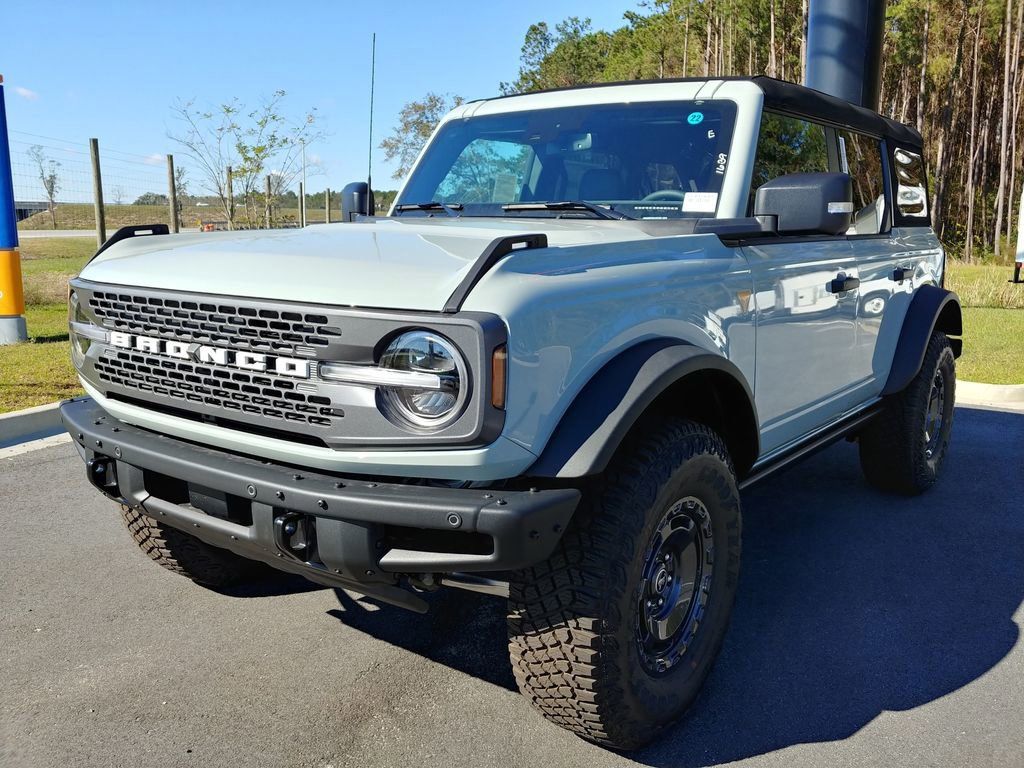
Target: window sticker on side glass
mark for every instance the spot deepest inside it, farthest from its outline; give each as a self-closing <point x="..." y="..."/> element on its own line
<point x="700" y="202"/>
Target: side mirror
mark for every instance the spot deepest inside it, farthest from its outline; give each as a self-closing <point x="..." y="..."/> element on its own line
<point x="357" y="200"/>
<point x="807" y="203"/>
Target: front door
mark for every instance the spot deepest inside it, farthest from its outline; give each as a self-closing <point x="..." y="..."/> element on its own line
<point x="806" y="375"/>
<point x="806" y="325"/>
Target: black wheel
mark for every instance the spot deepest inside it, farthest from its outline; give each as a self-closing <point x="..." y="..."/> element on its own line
<point x="184" y="554"/>
<point x="614" y="635"/>
<point x="903" y="449"/>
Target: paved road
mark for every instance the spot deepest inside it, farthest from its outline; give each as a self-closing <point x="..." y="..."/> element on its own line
<point x="869" y="631"/>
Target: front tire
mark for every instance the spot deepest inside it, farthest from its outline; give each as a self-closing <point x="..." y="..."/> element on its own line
<point x="186" y="555"/>
<point x="613" y="636"/>
<point x="903" y="449"/>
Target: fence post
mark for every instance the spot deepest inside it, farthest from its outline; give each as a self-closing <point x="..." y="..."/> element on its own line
<point x="97" y="192"/>
<point x="302" y="205"/>
<point x="327" y="206"/>
<point x="12" y="296"/>
<point x="172" y="194"/>
<point x="231" y="202"/>
<point x="268" y="202"/>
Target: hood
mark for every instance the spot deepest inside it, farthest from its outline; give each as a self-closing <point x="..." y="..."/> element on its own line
<point x="391" y="263"/>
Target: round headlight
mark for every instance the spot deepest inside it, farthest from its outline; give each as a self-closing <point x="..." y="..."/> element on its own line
<point x="79" y="344"/>
<point x="432" y="401"/>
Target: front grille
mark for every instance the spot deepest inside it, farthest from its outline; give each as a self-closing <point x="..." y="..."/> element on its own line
<point x="230" y="391"/>
<point x="231" y="394"/>
<point x="279" y="331"/>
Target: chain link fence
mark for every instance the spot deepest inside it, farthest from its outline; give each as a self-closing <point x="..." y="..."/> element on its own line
<point x="55" y="189"/>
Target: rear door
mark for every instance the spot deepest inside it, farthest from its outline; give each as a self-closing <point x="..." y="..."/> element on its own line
<point x="883" y="260"/>
<point x="902" y="255"/>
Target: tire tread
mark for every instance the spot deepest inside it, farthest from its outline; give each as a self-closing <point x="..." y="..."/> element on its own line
<point x="563" y="658"/>
<point x="184" y="554"/>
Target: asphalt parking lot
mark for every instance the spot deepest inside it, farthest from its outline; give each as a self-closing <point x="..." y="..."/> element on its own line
<point x="869" y="630"/>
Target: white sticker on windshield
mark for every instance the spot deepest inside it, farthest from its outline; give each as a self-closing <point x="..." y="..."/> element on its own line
<point x="506" y="188"/>
<point x="700" y="202"/>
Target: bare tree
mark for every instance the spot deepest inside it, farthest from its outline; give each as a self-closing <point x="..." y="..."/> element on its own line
<point x="252" y="142"/>
<point x="117" y="194"/>
<point x="49" y="177"/>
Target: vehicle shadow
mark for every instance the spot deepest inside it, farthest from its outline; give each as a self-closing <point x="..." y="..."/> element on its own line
<point x="270" y="583"/>
<point x="463" y="630"/>
<point x="851" y="602"/>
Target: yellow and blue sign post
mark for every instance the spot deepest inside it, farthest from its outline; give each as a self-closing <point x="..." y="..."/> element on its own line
<point x="12" y="296"/>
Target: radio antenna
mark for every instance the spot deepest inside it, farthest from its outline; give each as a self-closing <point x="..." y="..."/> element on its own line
<point x="369" y="153"/>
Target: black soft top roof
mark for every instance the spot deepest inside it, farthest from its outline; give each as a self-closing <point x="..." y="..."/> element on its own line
<point x="783" y="96"/>
<point x="790" y="97"/>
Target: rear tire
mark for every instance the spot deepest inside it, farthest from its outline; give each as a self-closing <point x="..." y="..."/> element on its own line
<point x="902" y="450"/>
<point x="592" y="647"/>
<point x="183" y="554"/>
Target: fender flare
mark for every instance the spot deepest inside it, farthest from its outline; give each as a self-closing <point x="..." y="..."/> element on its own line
<point x="932" y="309"/>
<point x="615" y="398"/>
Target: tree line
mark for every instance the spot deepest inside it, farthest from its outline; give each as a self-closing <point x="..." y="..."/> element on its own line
<point x="952" y="68"/>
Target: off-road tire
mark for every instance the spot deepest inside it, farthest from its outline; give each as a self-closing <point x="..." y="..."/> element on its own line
<point x="572" y="619"/>
<point x="181" y="553"/>
<point x="893" y="449"/>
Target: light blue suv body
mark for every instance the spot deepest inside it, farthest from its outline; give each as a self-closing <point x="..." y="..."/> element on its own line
<point x="434" y="396"/>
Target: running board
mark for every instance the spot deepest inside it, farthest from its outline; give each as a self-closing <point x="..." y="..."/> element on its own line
<point x="820" y="441"/>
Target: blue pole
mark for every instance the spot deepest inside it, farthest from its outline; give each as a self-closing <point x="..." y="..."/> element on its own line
<point x="8" y="224"/>
<point x="12" y="298"/>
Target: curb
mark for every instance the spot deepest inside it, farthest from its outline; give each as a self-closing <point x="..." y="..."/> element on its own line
<point x="29" y="424"/>
<point x="974" y="392"/>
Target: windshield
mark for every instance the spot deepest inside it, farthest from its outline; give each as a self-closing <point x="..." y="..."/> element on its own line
<point x="650" y="160"/>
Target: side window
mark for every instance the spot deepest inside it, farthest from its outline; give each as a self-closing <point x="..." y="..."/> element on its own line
<point x="861" y="157"/>
<point x="787" y="145"/>
<point x="911" y="195"/>
<point x="487" y="171"/>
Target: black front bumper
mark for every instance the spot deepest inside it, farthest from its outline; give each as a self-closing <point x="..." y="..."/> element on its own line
<point x="342" y="531"/>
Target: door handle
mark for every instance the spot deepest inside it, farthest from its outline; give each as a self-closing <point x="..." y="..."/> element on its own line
<point x="843" y="283"/>
<point x="902" y="273"/>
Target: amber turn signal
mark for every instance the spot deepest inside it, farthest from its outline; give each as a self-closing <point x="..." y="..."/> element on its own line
<point x="499" y="376"/>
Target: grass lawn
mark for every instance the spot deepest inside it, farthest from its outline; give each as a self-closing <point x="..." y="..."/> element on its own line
<point x="993" y="346"/>
<point x="39" y="371"/>
<point x="985" y="285"/>
<point x="83" y="216"/>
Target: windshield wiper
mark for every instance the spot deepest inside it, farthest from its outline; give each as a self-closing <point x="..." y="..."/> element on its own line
<point x="451" y="209"/>
<point x="568" y="205"/>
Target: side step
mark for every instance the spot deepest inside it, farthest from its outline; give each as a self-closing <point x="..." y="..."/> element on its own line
<point x="824" y="439"/>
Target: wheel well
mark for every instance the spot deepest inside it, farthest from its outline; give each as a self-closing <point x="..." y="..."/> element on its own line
<point x="950" y="319"/>
<point x="660" y="378"/>
<point x="716" y="399"/>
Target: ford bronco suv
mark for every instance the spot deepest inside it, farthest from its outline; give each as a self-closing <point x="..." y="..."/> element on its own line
<point x="590" y="319"/>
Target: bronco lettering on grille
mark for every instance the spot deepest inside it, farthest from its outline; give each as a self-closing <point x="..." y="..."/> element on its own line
<point x="247" y="361"/>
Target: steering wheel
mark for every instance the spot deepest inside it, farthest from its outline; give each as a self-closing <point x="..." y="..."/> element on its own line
<point x="665" y="194"/>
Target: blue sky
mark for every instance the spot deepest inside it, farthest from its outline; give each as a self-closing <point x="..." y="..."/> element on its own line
<point x="73" y="70"/>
